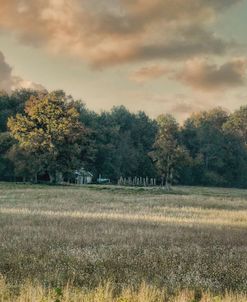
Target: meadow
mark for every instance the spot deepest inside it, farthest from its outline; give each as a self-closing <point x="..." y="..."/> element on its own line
<point x="106" y="243"/>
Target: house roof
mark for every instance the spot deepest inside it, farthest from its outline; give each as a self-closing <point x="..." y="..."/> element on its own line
<point x="83" y="172"/>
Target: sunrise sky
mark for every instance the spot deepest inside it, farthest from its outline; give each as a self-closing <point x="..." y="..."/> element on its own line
<point x="160" y="56"/>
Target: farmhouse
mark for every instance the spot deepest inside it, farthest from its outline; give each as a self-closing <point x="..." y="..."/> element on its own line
<point x="83" y="177"/>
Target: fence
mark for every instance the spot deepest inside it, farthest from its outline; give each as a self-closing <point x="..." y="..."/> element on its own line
<point x="137" y="181"/>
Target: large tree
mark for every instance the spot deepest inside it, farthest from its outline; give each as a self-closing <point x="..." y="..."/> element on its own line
<point x="13" y="103"/>
<point x="218" y="155"/>
<point x="203" y="136"/>
<point x="237" y="124"/>
<point x="168" y="154"/>
<point x="6" y="166"/>
<point x="26" y="165"/>
<point x="51" y="131"/>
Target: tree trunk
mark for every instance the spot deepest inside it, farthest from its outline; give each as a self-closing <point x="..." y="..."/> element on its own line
<point x="52" y="178"/>
<point x="35" y="178"/>
<point x="170" y="179"/>
<point x="168" y="185"/>
<point x="167" y="176"/>
<point x="162" y="181"/>
<point x="206" y="161"/>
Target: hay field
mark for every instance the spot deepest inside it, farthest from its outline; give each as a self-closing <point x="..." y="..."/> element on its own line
<point x="190" y="240"/>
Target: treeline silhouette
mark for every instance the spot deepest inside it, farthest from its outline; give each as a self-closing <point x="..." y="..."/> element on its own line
<point x="209" y="148"/>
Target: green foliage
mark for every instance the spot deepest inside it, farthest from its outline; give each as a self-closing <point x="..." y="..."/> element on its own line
<point x="12" y="104"/>
<point x="26" y="164"/>
<point x="6" y="167"/>
<point x="51" y="131"/>
<point x="53" y="134"/>
<point x="58" y="294"/>
<point x="237" y="124"/>
<point x="219" y="156"/>
<point x="122" y="141"/>
<point x="168" y="153"/>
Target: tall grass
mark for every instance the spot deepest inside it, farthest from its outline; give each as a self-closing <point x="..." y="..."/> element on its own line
<point x="192" y="239"/>
<point x="105" y="293"/>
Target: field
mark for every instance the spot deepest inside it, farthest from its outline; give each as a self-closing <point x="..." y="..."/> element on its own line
<point x="109" y="240"/>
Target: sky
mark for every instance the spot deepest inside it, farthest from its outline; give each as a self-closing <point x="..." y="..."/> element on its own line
<point x="159" y="56"/>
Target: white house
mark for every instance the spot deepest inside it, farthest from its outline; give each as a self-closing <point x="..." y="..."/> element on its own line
<point x="83" y="177"/>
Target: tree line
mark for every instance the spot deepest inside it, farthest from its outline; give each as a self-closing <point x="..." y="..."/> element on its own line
<point x="48" y="136"/>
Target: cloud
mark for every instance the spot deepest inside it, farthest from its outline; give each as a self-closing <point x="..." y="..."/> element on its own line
<point x="5" y="74"/>
<point x="199" y="74"/>
<point x="111" y="32"/>
<point x="9" y="82"/>
<point x="149" y="73"/>
<point x="180" y="105"/>
<point x="185" y="108"/>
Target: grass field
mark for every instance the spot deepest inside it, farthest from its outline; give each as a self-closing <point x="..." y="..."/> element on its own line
<point x="190" y="240"/>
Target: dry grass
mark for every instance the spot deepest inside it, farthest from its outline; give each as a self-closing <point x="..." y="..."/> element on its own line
<point x="194" y="238"/>
<point x="145" y="293"/>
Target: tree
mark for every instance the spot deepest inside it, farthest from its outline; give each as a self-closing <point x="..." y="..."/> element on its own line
<point x="6" y="166"/>
<point x="237" y="124"/>
<point x="203" y="136"/>
<point x="50" y="130"/>
<point x="25" y="163"/>
<point x="11" y="104"/>
<point x="4" y="110"/>
<point x="235" y="128"/>
<point x="218" y="156"/>
<point x="168" y="153"/>
<point x="122" y="142"/>
<point x="143" y="136"/>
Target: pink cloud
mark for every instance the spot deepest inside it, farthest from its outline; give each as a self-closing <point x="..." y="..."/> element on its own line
<point x="9" y="82"/>
<point x="149" y="73"/>
<point x="105" y="32"/>
<point x="201" y="75"/>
